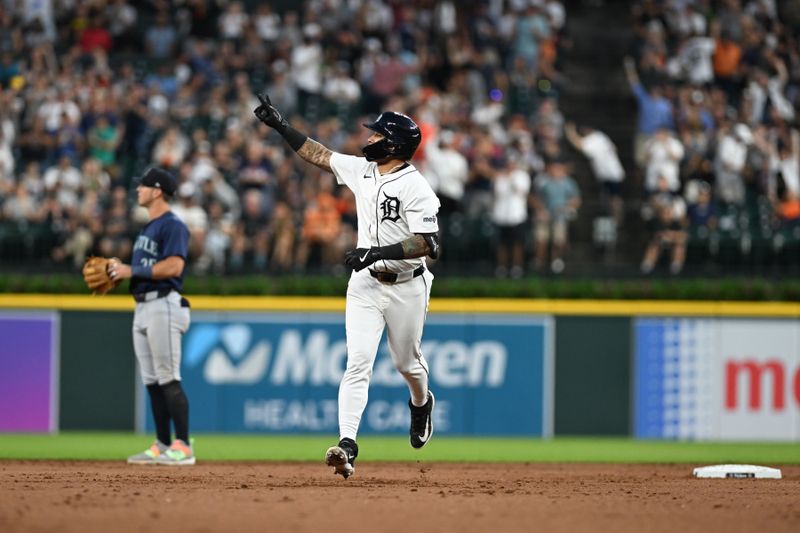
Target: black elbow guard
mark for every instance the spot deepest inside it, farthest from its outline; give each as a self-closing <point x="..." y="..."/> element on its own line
<point x="433" y="243"/>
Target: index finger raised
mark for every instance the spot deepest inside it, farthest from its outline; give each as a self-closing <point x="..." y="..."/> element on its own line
<point x="264" y="99"/>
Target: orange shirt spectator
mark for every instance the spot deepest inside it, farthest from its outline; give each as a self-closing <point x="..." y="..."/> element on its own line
<point x="789" y="209"/>
<point x="726" y="58"/>
<point x="428" y="131"/>
<point x="322" y="220"/>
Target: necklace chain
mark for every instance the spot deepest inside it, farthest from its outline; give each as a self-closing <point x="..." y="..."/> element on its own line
<point x="393" y="169"/>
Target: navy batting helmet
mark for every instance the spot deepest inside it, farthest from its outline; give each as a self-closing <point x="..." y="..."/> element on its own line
<point x="401" y="137"/>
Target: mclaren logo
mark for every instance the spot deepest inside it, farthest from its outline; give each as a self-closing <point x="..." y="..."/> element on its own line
<point x="253" y="354"/>
<point x="231" y="357"/>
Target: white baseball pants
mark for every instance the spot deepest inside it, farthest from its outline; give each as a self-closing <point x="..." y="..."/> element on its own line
<point x="372" y="306"/>
<point x="158" y="326"/>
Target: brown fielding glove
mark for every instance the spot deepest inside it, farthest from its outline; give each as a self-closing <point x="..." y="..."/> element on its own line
<point x="95" y="274"/>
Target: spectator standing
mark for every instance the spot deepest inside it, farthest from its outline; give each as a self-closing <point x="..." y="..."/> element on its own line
<point x="116" y="238"/>
<point x="448" y="171"/>
<point x="389" y="74"/>
<point x="556" y="201"/>
<point x="655" y="112"/>
<point x="530" y="31"/>
<point x="727" y="59"/>
<point x="342" y="93"/>
<point x="478" y="190"/>
<point x="194" y="216"/>
<point x="64" y="181"/>
<point x="171" y="149"/>
<point x="729" y="164"/>
<point x="122" y="17"/>
<point x="282" y="86"/>
<point x="606" y="166"/>
<point x="251" y="234"/>
<point x="218" y="240"/>
<point x="267" y="23"/>
<point x="20" y="208"/>
<point x="95" y="179"/>
<point x="59" y="109"/>
<point x="695" y="60"/>
<point x="663" y="154"/>
<point x="511" y="186"/>
<point x="306" y="69"/>
<point x="321" y="224"/>
<point x="7" y="135"/>
<point x="104" y="139"/>
<point x="232" y="22"/>
<point x="161" y="39"/>
<point x="96" y="36"/>
<point x="763" y="90"/>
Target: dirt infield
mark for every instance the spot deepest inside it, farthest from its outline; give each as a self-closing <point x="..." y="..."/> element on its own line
<point x="407" y="497"/>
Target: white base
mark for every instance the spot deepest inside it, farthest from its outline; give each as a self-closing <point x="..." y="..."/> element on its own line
<point x="737" y="471"/>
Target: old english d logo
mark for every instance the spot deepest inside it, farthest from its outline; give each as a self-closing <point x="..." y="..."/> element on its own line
<point x="390" y="208"/>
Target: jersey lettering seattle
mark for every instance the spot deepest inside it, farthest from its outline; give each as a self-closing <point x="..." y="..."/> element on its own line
<point x="146" y="244"/>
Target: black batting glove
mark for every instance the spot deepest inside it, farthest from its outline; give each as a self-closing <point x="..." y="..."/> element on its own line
<point x="361" y="258"/>
<point x="270" y="116"/>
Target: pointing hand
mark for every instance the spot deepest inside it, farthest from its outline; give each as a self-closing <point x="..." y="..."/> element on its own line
<point x="270" y="116"/>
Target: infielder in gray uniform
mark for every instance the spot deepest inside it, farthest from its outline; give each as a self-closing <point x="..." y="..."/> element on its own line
<point x="390" y="285"/>
<point x="161" y="318"/>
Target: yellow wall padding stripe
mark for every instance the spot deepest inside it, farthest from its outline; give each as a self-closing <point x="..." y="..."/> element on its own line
<point x="438" y="305"/>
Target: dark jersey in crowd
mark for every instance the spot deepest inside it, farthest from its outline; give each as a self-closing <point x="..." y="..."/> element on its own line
<point x="162" y="237"/>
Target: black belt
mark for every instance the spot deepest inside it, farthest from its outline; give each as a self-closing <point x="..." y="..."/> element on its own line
<point x="395" y="277"/>
<point x="151" y="295"/>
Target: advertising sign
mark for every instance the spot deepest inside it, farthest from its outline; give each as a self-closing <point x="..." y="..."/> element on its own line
<point x="28" y="371"/>
<point x="280" y="373"/>
<point x="717" y="379"/>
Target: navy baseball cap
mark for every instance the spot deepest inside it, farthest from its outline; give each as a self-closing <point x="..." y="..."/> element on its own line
<point x="159" y="179"/>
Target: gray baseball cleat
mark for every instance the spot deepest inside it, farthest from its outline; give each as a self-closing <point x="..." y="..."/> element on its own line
<point x="342" y="457"/>
<point x="179" y="454"/>
<point x="150" y="455"/>
<point x="421" y="422"/>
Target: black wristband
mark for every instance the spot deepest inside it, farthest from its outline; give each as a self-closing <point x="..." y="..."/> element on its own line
<point x="294" y="137"/>
<point x="392" y="251"/>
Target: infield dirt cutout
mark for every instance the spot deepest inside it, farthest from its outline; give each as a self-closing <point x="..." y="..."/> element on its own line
<point x="402" y="497"/>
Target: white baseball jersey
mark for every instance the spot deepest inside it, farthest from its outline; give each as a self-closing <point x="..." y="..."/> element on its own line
<point x="391" y="208"/>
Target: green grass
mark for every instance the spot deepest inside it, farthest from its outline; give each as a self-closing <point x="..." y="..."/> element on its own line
<point x="215" y="447"/>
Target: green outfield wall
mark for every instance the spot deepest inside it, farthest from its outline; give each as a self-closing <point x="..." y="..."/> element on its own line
<point x="97" y="384"/>
<point x="604" y="352"/>
<point x="592" y="375"/>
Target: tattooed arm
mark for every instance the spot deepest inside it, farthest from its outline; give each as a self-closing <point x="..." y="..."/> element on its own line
<point x="307" y="148"/>
<point x="420" y="244"/>
<point x="316" y="154"/>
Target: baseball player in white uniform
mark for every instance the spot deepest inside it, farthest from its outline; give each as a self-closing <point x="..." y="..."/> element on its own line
<point x="390" y="285"/>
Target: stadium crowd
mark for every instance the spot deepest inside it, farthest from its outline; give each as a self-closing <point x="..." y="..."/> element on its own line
<point x="94" y="92"/>
<point x="718" y="86"/>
